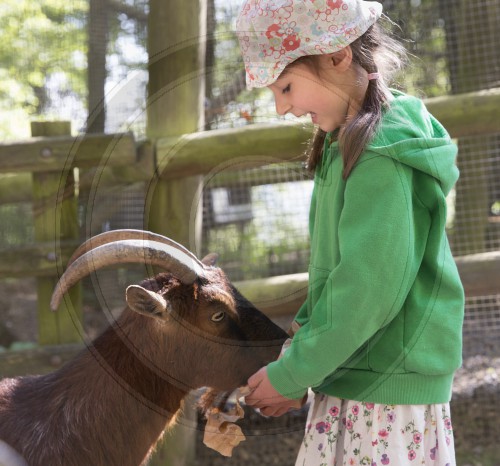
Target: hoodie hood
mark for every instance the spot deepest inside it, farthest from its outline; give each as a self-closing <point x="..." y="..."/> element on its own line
<point x="409" y="134"/>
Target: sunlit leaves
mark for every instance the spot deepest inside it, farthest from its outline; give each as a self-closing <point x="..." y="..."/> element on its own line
<point x="37" y="40"/>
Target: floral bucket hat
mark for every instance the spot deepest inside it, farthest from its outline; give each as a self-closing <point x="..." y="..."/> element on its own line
<point x="274" y="33"/>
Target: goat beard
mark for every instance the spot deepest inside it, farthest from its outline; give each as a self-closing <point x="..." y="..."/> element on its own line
<point x="213" y="398"/>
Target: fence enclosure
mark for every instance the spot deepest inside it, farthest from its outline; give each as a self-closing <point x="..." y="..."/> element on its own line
<point x="117" y="161"/>
<point x="54" y="171"/>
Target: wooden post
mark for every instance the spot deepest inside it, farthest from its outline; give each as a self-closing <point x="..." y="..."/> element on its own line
<point x="55" y="220"/>
<point x="175" y="107"/>
<point x="176" y="35"/>
<point x="98" y="27"/>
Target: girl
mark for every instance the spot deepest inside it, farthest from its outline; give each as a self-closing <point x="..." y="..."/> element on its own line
<point x="379" y="336"/>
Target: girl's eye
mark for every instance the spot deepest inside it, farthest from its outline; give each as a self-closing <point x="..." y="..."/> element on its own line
<point x="286" y="89"/>
<point x="218" y="316"/>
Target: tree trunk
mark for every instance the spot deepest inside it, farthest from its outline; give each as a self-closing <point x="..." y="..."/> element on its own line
<point x="209" y="60"/>
<point x="98" y="43"/>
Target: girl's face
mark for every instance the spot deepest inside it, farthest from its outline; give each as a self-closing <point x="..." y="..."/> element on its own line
<point x="302" y="91"/>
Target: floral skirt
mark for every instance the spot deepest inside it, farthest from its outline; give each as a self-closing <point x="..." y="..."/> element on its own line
<point x="342" y="432"/>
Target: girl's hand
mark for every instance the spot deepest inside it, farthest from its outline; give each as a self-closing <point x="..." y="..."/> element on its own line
<point x="266" y="398"/>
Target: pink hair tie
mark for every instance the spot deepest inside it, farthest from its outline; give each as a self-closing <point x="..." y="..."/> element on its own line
<point x="372" y="76"/>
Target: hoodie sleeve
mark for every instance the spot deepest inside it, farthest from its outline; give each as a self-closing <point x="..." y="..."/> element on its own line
<point x="367" y="288"/>
<point x="302" y="315"/>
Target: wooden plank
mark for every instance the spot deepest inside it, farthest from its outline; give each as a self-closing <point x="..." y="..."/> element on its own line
<point x="55" y="220"/>
<point x="469" y="114"/>
<point x="17" y="187"/>
<point x="255" y="145"/>
<point x="480" y="273"/>
<point x="260" y="144"/>
<point x="61" y="152"/>
<point x="213" y="151"/>
<point x="277" y="296"/>
<point x="175" y="107"/>
<point x="37" y="260"/>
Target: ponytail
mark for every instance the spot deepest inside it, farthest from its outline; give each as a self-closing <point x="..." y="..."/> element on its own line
<point x="359" y="131"/>
<point x="375" y="51"/>
<point x="315" y="149"/>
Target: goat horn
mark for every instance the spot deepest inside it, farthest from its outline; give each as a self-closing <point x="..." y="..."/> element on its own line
<point x="123" y="234"/>
<point x="128" y="251"/>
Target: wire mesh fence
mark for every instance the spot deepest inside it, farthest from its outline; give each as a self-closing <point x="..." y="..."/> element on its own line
<point x="259" y="222"/>
<point x="257" y="219"/>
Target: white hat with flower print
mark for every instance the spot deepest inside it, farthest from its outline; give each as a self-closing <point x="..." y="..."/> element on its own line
<point x="274" y="33"/>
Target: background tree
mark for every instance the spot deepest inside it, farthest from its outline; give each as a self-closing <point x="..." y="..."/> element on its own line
<point x="109" y="21"/>
<point x="41" y="56"/>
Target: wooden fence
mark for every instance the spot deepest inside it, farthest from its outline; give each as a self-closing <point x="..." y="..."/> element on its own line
<point x="40" y="171"/>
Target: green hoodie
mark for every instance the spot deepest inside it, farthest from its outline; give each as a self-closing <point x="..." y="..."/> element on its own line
<point x="382" y="322"/>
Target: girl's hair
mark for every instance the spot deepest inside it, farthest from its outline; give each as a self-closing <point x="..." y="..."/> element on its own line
<point x="375" y="51"/>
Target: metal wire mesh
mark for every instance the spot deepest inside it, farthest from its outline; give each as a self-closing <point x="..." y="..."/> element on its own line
<point x="476" y="226"/>
<point x="481" y="332"/>
<point x="16" y="228"/>
<point x="256" y="219"/>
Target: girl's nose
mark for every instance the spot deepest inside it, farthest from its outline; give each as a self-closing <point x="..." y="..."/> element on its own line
<point x="282" y="107"/>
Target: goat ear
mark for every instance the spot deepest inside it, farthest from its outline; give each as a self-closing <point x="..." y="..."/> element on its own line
<point x="146" y="302"/>
<point x="210" y="259"/>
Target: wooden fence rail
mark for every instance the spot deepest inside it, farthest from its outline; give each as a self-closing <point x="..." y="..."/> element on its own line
<point x="200" y="153"/>
<point x="120" y="160"/>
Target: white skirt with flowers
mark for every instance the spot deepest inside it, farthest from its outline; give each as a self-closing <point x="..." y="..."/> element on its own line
<point x="342" y="432"/>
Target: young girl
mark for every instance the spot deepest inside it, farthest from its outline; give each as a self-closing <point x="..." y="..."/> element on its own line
<point x="379" y="337"/>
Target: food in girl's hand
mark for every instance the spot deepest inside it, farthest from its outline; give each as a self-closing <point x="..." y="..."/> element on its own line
<point x="221" y="432"/>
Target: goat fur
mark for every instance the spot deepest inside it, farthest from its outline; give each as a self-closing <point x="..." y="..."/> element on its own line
<point x="112" y="403"/>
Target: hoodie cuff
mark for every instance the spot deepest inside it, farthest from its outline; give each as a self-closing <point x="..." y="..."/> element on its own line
<point x="282" y="380"/>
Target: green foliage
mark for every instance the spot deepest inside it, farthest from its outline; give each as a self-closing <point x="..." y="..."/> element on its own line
<point x="39" y="41"/>
<point x="420" y="28"/>
<point x="123" y="30"/>
<point x="228" y="60"/>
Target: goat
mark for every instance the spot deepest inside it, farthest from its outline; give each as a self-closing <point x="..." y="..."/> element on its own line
<point x="181" y="330"/>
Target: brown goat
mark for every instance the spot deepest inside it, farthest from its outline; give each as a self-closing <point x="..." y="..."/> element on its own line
<point x="181" y="330"/>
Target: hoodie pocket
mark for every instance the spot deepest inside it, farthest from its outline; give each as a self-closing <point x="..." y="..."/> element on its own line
<point x="318" y="286"/>
<point x="386" y="349"/>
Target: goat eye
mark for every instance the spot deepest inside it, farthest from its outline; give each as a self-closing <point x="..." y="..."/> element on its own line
<point x="218" y="316"/>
